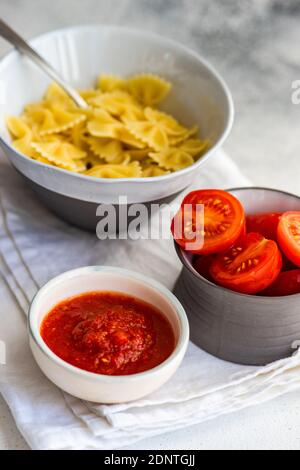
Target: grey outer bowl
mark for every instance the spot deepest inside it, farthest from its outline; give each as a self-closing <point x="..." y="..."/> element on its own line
<point x="80" y="54"/>
<point x="82" y="214"/>
<point x="243" y="329"/>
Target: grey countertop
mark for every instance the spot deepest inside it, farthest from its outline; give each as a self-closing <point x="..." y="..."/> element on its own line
<point x="255" y="45"/>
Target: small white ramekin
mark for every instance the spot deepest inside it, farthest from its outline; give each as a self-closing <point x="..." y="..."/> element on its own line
<point x="96" y="387"/>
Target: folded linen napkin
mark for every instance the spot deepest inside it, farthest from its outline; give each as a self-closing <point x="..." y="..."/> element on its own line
<point x="34" y="247"/>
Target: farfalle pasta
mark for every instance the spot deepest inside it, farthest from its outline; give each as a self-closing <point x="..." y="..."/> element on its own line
<point x="122" y="133"/>
<point x="130" y="170"/>
<point x="172" y="159"/>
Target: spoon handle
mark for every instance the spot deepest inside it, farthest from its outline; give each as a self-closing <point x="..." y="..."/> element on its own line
<point x="11" y="36"/>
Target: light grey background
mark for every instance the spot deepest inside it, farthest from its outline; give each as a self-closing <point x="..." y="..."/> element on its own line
<point x="255" y="45"/>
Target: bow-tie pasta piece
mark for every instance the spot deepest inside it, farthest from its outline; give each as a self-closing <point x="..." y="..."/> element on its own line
<point x="39" y="117"/>
<point x="56" y="95"/>
<point x="64" y="120"/>
<point x="90" y="94"/>
<point x="129" y="138"/>
<point x="111" y="151"/>
<point x="17" y="127"/>
<point x="22" y="135"/>
<point x="151" y="170"/>
<point x="119" y="104"/>
<point x="61" y="154"/>
<point x="132" y="170"/>
<point x="132" y="112"/>
<point x="152" y="134"/>
<point x="92" y="160"/>
<point x="188" y="134"/>
<point x="114" y="102"/>
<point x="104" y="125"/>
<point x="52" y="119"/>
<point x="111" y="83"/>
<point x="140" y="155"/>
<point x="148" y="89"/>
<point x="194" y="147"/>
<point x="166" y="122"/>
<point x="172" y="159"/>
<point x="77" y="136"/>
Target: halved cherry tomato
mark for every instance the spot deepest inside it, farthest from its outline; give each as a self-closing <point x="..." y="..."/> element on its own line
<point x="250" y="266"/>
<point x="288" y="235"/>
<point x="265" y="224"/>
<point x="224" y="222"/>
<point x="287" y="283"/>
<point x="202" y="265"/>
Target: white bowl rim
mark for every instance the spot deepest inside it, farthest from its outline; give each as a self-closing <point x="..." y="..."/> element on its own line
<point x="180" y="312"/>
<point x="132" y="31"/>
<point x="259" y="298"/>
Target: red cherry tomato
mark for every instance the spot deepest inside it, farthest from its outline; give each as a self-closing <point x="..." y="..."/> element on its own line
<point x="223" y="224"/>
<point x="250" y="266"/>
<point x="202" y="265"/>
<point x="288" y="235"/>
<point x="265" y="224"/>
<point x="287" y="283"/>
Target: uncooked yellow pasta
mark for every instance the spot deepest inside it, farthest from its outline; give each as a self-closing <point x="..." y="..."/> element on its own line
<point x="111" y="83"/>
<point x="172" y="159"/>
<point x="152" y="170"/>
<point x="61" y="154"/>
<point x="149" y="89"/>
<point x="130" y="170"/>
<point x="122" y="133"/>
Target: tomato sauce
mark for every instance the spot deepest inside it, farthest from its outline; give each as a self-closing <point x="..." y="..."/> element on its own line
<point x="108" y="333"/>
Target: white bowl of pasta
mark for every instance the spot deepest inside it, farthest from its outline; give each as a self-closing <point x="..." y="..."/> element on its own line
<point x="157" y="113"/>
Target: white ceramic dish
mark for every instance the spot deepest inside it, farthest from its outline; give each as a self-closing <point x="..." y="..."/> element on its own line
<point x="95" y="387"/>
<point x="199" y="96"/>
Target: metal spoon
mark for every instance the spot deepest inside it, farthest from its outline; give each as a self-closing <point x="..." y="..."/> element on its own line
<point x="11" y="36"/>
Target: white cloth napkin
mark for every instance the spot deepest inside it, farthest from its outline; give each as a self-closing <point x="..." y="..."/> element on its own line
<point x="34" y="247"/>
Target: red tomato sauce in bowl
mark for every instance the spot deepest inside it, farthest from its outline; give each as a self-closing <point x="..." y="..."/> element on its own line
<point x="108" y="333"/>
